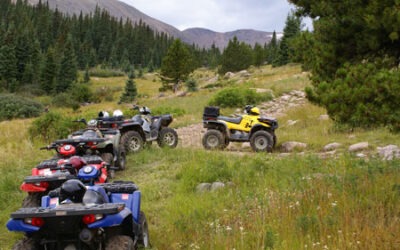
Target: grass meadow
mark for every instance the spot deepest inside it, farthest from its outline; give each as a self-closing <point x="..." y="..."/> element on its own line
<point x="270" y="201"/>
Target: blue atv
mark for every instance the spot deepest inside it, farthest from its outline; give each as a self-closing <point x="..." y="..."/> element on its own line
<point x="79" y="215"/>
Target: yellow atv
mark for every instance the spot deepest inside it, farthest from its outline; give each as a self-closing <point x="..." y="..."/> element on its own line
<point x="221" y="130"/>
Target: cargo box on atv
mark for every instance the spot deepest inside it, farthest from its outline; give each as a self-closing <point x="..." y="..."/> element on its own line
<point x="210" y="113"/>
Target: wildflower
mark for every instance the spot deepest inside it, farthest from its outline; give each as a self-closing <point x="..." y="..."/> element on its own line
<point x="228" y="228"/>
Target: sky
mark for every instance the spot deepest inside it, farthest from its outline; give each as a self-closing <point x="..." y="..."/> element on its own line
<point x="218" y="15"/>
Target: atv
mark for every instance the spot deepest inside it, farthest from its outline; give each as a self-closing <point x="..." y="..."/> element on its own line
<point x="79" y="215"/>
<point x="251" y="127"/>
<point x="110" y="149"/>
<point x="71" y="156"/>
<point x="142" y="128"/>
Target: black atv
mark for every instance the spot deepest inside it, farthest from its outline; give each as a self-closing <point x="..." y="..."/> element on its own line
<point x="142" y="128"/>
<point x="110" y="149"/>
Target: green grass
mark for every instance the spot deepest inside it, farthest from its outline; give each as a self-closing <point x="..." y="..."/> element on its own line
<point x="299" y="201"/>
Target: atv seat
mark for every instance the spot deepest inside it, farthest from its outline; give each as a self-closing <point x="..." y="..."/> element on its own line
<point x="235" y="120"/>
<point x="92" y="159"/>
<point x="120" y="187"/>
<point x="47" y="164"/>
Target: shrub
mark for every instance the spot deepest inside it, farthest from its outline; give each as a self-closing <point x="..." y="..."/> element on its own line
<point x="191" y="85"/>
<point x="168" y="110"/>
<point x="51" y="126"/>
<point x="104" y="72"/>
<point x="81" y="93"/>
<point x="63" y="100"/>
<point x="78" y="93"/>
<point x="238" y="97"/>
<point x="13" y="106"/>
<point x="362" y="95"/>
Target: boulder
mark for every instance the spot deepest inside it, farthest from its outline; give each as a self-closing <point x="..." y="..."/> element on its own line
<point x="290" y="146"/>
<point x="323" y="117"/>
<point x="332" y="146"/>
<point x="229" y="75"/>
<point x="217" y="185"/>
<point x="358" y="147"/>
<point x="203" y="187"/>
<point x="389" y="152"/>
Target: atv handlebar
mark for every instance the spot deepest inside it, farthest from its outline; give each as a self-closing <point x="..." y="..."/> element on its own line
<point x="83" y="120"/>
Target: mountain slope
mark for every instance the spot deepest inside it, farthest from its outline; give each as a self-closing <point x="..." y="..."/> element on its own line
<point x="206" y="38"/>
<point x="199" y="36"/>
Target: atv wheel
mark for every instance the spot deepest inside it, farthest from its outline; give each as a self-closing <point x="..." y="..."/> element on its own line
<point x="214" y="139"/>
<point x="109" y="159"/>
<point x="25" y="244"/>
<point x="262" y="141"/>
<point x="167" y="138"/>
<point x="144" y="239"/>
<point x="121" y="161"/>
<point x="120" y="242"/>
<point x="132" y="142"/>
<point x="33" y="200"/>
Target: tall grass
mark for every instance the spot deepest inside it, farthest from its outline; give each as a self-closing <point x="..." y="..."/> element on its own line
<point x="291" y="203"/>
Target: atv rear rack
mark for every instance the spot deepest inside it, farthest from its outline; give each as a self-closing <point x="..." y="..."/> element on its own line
<point x="68" y="210"/>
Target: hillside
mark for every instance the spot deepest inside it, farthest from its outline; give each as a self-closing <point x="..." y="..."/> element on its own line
<point x="201" y="37"/>
<point x="309" y="197"/>
<point x="206" y="38"/>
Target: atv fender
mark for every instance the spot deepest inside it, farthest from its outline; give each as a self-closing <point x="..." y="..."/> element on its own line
<point x="166" y="120"/>
<point x="132" y="201"/>
<point x="258" y="127"/>
<point x="112" y="219"/>
<point x="18" y="225"/>
<point x="213" y="124"/>
<point x="135" y="126"/>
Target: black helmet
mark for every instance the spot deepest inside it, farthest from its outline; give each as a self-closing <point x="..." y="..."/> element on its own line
<point x="73" y="190"/>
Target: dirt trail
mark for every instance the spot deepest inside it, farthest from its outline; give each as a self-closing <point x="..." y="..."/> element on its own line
<point x="191" y="136"/>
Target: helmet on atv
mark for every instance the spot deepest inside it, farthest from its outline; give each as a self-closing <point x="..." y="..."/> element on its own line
<point x="117" y="113"/>
<point x="254" y="111"/>
<point x="104" y="114"/>
<point x="92" y="123"/>
<point x="73" y="190"/>
<point x="145" y="110"/>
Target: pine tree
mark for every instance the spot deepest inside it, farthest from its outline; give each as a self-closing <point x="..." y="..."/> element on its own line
<point x="176" y="66"/>
<point x="49" y="72"/>
<point x="259" y="55"/>
<point x="130" y="92"/>
<point x="68" y="67"/>
<point x="291" y="30"/>
<point x="272" y="49"/>
<point x="236" y="56"/>
<point x="86" y="77"/>
<point x="8" y="67"/>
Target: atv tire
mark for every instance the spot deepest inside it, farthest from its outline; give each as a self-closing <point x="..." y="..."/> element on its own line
<point x="262" y="141"/>
<point x="132" y="142"/>
<point x="120" y="242"/>
<point x="214" y="139"/>
<point x="25" y="244"/>
<point x="167" y="137"/>
<point x="121" y="161"/>
<point x="144" y="239"/>
<point x="33" y="199"/>
<point x="109" y="159"/>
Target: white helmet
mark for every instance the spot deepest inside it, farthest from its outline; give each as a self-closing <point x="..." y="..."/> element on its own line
<point x="104" y="114"/>
<point x="117" y="113"/>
